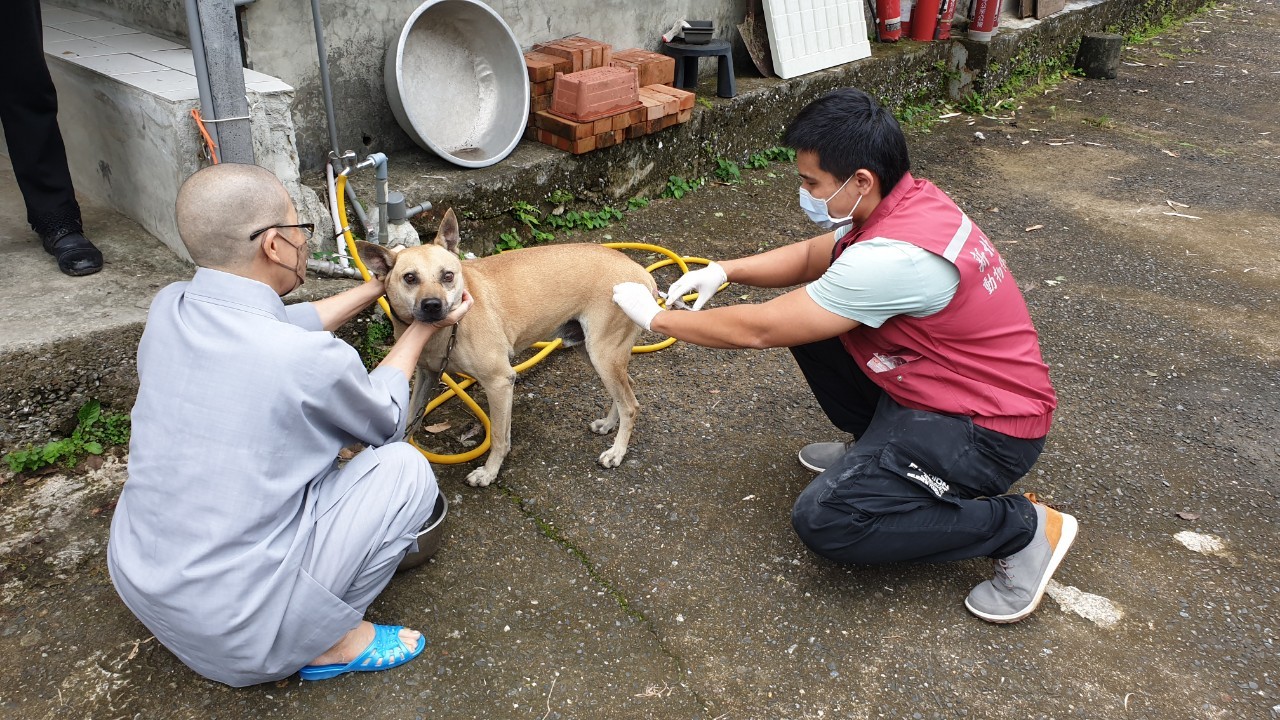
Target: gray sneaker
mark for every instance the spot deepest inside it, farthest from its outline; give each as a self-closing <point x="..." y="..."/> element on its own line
<point x="1021" y="578"/>
<point x="820" y="456"/>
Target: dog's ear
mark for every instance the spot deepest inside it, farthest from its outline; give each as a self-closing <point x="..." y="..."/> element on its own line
<point x="376" y="258"/>
<point x="447" y="236"/>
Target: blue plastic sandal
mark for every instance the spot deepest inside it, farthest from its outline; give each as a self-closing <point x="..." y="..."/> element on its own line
<point x="385" y="652"/>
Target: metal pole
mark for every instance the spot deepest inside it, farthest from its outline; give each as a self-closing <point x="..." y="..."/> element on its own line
<point x="221" y="41"/>
<point x="325" y="87"/>
<point x="202" y="70"/>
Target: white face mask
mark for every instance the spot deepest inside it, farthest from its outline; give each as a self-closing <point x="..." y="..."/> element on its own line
<point x="816" y="208"/>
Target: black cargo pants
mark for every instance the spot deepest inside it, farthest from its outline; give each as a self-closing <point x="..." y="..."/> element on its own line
<point x="916" y="486"/>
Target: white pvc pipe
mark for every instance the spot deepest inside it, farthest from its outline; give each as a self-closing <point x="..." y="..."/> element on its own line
<point x="338" y="223"/>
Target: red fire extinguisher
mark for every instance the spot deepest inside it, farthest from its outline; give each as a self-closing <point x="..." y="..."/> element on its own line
<point x="948" y="12"/>
<point x="924" y="19"/>
<point x="889" y="18"/>
<point x="986" y="16"/>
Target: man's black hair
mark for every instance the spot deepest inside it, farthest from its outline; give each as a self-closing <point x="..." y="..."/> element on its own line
<point x="848" y="130"/>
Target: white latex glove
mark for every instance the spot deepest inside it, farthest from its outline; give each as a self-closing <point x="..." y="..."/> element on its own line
<point x="637" y="302"/>
<point x="704" y="281"/>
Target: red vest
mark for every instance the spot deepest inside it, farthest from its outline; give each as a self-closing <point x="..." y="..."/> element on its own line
<point x="980" y="355"/>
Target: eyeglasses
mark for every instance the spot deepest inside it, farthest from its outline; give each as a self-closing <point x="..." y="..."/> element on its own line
<point x="308" y="229"/>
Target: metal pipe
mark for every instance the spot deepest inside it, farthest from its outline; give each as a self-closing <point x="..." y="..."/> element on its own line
<point x="378" y="162"/>
<point x="325" y="87"/>
<point x="202" y="68"/>
<point x="326" y="90"/>
<point x="332" y="269"/>
<point x="417" y="209"/>
<point x="355" y="204"/>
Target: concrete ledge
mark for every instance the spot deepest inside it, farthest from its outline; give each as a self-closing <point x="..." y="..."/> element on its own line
<point x="125" y="100"/>
<point x="901" y="74"/>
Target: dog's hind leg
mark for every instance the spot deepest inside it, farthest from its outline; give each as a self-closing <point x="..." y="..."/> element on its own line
<point x="610" y="358"/>
<point x="499" y="386"/>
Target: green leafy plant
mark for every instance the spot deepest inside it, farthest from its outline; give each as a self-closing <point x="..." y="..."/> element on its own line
<point x="704" y="102"/>
<point x="94" y="430"/>
<point x="637" y="203"/>
<point x="560" y="197"/>
<point x="677" y="187"/>
<point x="373" y="346"/>
<point x="728" y="171"/>
<point x="509" y="240"/>
<point x="526" y="214"/>
<point x="585" y="219"/>
<point x="972" y="103"/>
<point x="530" y="217"/>
<point x="774" y="154"/>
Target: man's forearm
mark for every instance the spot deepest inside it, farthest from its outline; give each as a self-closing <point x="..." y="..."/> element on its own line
<point x="336" y="310"/>
<point x="781" y="267"/>
<point x="408" y="347"/>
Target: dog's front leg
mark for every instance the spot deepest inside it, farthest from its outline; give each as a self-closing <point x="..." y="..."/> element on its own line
<point x="418" y="397"/>
<point x="499" y="388"/>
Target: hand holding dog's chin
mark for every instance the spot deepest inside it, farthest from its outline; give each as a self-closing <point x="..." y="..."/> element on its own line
<point x="456" y="314"/>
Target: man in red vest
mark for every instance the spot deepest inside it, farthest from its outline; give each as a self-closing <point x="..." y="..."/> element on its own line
<point x="915" y="339"/>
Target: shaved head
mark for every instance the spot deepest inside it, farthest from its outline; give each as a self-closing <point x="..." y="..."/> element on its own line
<point x="220" y="206"/>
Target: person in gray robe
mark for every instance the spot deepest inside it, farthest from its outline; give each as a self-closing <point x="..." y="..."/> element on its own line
<point x="239" y="540"/>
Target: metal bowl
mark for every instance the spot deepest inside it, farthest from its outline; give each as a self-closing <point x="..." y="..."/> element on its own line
<point x="429" y="536"/>
<point x="457" y="83"/>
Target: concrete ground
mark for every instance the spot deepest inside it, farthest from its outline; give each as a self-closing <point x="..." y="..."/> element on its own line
<point x="1140" y="217"/>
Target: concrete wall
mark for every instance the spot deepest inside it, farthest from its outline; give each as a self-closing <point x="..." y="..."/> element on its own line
<point x="132" y="149"/>
<point x="278" y="38"/>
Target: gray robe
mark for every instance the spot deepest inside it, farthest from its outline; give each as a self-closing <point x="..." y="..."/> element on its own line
<point x="243" y="404"/>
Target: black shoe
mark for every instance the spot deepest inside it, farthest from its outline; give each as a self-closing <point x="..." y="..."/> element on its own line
<point x="76" y="255"/>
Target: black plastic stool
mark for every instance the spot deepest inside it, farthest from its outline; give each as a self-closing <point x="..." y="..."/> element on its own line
<point x="687" y="55"/>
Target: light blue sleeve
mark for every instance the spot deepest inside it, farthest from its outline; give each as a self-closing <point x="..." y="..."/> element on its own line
<point x="303" y="315"/>
<point x="879" y="278"/>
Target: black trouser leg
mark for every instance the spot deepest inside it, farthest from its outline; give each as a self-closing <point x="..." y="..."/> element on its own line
<point x="920" y="487"/>
<point x="29" y="112"/>
<point x="843" y="391"/>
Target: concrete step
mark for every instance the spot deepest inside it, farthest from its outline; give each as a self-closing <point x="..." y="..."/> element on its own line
<point x="125" y="99"/>
<point x="65" y="340"/>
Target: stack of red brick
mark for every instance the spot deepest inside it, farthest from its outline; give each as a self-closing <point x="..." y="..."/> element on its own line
<point x="577" y="110"/>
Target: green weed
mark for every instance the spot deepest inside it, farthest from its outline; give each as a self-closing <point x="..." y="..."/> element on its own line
<point x="774" y="154"/>
<point x="677" y="187"/>
<point x="377" y="336"/>
<point x="94" y="431"/>
<point x="728" y="171"/>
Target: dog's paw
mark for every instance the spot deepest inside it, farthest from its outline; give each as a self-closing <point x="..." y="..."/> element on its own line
<point x="481" y="477"/>
<point x="612" y="457"/>
<point x="603" y="427"/>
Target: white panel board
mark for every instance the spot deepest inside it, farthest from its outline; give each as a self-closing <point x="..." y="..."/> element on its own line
<point x="809" y="35"/>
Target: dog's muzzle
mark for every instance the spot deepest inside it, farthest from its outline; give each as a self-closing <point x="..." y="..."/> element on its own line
<point x="430" y="310"/>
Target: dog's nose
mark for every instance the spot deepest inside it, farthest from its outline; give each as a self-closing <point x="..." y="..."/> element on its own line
<point x="432" y="309"/>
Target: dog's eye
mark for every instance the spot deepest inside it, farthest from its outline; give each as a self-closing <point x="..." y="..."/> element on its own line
<point x="410" y="279"/>
<point x="447" y="277"/>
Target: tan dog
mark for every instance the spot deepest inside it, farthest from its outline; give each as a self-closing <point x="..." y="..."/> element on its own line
<point x="520" y="297"/>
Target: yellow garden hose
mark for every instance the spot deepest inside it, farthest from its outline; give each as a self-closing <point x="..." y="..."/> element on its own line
<point x="458" y="389"/>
